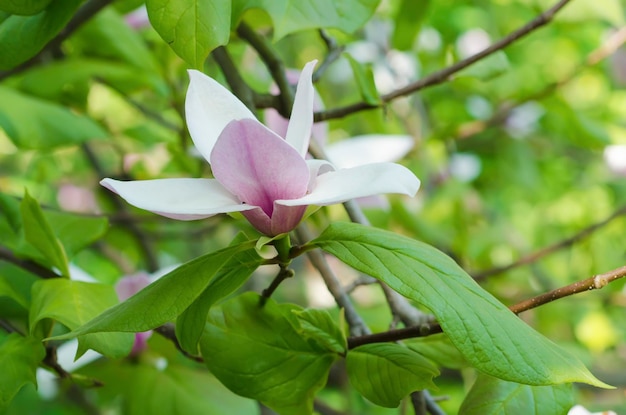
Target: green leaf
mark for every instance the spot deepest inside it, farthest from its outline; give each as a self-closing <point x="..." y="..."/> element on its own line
<point x="489" y="335"/>
<point x="385" y="373"/>
<point x="32" y="123"/>
<point x="319" y="325"/>
<point x="39" y="234"/>
<point x="19" y="358"/>
<point x="22" y="37"/>
<point x="23" y="7"/>
<point x="488" y="68"/>
<point x="365" y="81"/>
<point x="164" y="299"/>
<point x="73" y="303"/>
<point x="408" y="20"/>
<point x="76" y="231"/>
<point x="193" y="28"/>
<point x="440" y="350"/>
<point x="492" y="396"/>
<point x="256" y="352"/>
<point x="108" y="35"/>
<point x="290" y="16"/>
<point x="7" y="290"/>
<point x="190" y="324"/>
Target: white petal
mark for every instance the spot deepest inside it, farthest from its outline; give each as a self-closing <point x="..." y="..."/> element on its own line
<point x="372" y="179"/>
<point x="209" y="106"/>
<point x="365" y="149"/>
<point x="184" y="199"/>
<point x="317" y="167"/>
<point x="301" y="121"/>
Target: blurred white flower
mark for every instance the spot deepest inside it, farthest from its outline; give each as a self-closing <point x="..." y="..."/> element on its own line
<point x="138" y="18"/>
<point x="581" y="410"/>
<point x="472" y="42"/>
<point x="74" y="198"/>
<point x="464" y="167"/>
<point x="615" y="158"/>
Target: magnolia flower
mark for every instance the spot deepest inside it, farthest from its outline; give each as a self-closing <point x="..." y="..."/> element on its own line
<point x="125" y="288"/>
<point x="257" y="172"/>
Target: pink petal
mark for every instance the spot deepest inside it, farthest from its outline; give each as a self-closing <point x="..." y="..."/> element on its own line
<point x="283" y="220"/>
<point x="258" y="166"/>
<point x="208" y="108"/>
<point x="299" y="129"/>
<point x="370" y="179"/>
<point x="130" y="285"/>
<point x="184" y="199"/>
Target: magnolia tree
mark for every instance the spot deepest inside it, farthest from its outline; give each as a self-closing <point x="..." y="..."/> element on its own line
<point x="214" y="207"/>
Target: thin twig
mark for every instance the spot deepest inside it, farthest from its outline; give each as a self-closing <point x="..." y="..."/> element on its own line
<point x="444" y="75"/>
<point x="84" y="14"/>
<point x="282" y="275"/>
<point x="168" y="331"/>
<point x="594" y="283"/>
<point x="237" y="84"/>
<point x="334" y="52"/>
<point x="531" y="258"/>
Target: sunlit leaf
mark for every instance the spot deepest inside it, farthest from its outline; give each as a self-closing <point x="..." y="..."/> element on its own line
<point x="257" y="352"/>
<point x="385" y="373"/>
<point x="488" y="334"/>
<point x="492" y="396"/>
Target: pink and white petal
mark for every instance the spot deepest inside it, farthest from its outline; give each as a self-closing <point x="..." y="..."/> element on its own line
<point x="372" y="148"/>
<point x="258" y="166"/>
<point x="371" y="179"/>
<point x="286" y="218"/>
<point x="301" y="122"/>
<point x="209" y="106"/>
<point x="184" y="199"/>
<point x="317" y="167"/>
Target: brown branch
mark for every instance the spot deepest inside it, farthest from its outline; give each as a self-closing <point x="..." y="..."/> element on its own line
<point x="529" y="259"/>
<point x="594" y="283"/>
<point x="27" y="264"/>
<point x="237" y="84"/>
<point x="444" y="75"/>
<point x="84" y="14"/>
<point x="169" y="332"/>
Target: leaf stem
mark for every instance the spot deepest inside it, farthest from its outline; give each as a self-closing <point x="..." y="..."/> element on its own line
<point x="282" y="275"/>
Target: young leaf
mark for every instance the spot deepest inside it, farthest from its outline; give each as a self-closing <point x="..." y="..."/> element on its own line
<point x="256" y="352"/>
<point x="73" y="303"/>
<point x="492" y="396"/>
<point x="32" y="123"/>
<point x="320" y="326"/>
<point x="39" y="234"/>
<point x="385" y="373"/>
<point x="22" y="37"/>
<point x="165" y="299"/>
<point x="487" y="333"/>
<point x="365" y="81"/>
<point x="19" y="358"/>
<point x="192" y="28"/>
<point x="190" y="324"/>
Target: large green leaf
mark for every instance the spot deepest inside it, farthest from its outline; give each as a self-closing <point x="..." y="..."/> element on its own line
<point x="193" y="28"/>
<point x="32" y="123"/>
<point x="257" y="352"/>
<point x="319" y="325"/>
<point x="23" y="7"/>
<point x="39" y="234"/>
<point x="73" y="303"/>
<point x="190" y="324"/>
<point x="22" y="37"/>
<point x="440" y="350"/>
<point x="492" y="396"/>
<point x="385" y="373"/>
<point x="19" y="358"/>
<point x="487" y="333"/>
<point x="290" y="16"/>
<point x="166" y="298"/>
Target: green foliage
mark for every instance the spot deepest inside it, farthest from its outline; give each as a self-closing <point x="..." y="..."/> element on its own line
<point x="19" y="358"/>
<point x="488" y="335"/>
<point x="32" y="123"/>
<point x="365" y="81"/>
<point x="39" y="234"/>
<point x="168" y="297"/>
<point x="286" y="369"/>
<point x="22" y="37"/>
<point x="386" y="373"/>
<point x="74" y="303"/>
<point x="320" y="326"/>
<point x="23" y="7"/>
<point x="491" y="396"/>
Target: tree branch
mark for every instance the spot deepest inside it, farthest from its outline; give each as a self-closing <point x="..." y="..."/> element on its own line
<point x="593" y="283"/>
<point x="528" y="259"/>
<point x="443" y="75"/>
<point x="27" y="264"/>
<point x="237" y="84"/>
